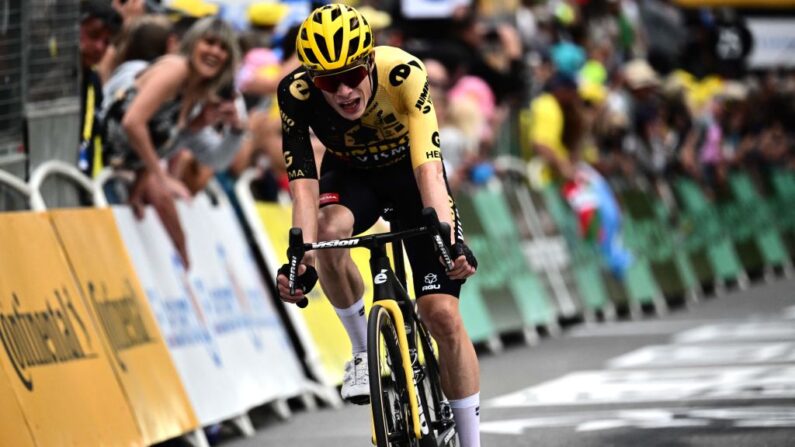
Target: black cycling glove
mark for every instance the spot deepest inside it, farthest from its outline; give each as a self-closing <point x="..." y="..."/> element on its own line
<point x="305" y="281"/>
<point x="460" y="248"/>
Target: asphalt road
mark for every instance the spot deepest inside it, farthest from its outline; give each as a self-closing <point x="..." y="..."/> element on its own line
<point x="720" y="373"/>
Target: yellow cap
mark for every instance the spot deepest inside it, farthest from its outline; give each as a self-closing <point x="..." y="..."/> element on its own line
<point x="593" y="92"/>
<point x="195" y="8"/>
<point x="267" y="13"/>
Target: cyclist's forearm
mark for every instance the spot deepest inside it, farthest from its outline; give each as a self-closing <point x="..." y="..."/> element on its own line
<point x="433" y="190"/>
<point x="305" y="210"/>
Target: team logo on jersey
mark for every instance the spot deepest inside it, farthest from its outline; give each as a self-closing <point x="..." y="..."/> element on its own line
<point x="287" y="122"/>
<point x="401" y="72"/>
<point x="436" y="140"/>
<point x="300" y="89"/>
<point x="431" y="281"/>
<point x="423" y="103"/>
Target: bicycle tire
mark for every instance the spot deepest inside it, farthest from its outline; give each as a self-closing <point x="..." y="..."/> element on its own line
<point x="388" y="392"/>
<point x="431" y="396"/>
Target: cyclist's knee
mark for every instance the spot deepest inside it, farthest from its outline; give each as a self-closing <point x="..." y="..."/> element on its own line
<point x="442" y="318"/>
<point x="334" y="223"/>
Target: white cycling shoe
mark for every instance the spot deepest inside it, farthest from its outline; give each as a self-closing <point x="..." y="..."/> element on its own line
<point x="356" y="381"/>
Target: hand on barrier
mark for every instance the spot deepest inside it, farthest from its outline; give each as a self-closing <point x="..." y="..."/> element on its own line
<point x="148" y="189"/>
<point x="465" y="264"/>
<point x="304" y="283"/>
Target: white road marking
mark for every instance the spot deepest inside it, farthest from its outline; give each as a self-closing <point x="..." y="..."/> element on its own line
<point x="677" y="356"/>
<point x="739" y="417"/>
<point x="633" y="328"/>
<point x="636" y="386"/>
<point x="745" y="331"/>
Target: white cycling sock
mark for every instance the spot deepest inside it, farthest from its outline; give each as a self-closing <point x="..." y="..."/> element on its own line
<point x="466" y="412"/>
<point x="355" y="325"/>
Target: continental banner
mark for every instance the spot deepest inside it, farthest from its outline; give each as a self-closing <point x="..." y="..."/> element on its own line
<point x="327" y="334"/>
<point x="236" y="258"/>
<point x="122" y="313"/>
<point x="179" y="312"/>
<point x="52" y="353"/>
<point x="14" y="430"/>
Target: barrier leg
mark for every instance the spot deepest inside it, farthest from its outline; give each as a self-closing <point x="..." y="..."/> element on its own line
<point x="197" y="438"/>
<point x="243" y="423"/>
<point x="281" y="409"/>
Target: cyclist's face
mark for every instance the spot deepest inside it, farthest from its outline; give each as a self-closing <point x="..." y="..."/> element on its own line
<point x="209" y="57"/>
<point x="350" y="102"/>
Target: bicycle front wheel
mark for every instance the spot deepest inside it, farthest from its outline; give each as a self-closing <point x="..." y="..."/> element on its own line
<point x="388" y="391"/>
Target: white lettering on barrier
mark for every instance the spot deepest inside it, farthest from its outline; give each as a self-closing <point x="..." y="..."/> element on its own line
<point x="284" y="369"/>
<point x="199" y="359"/>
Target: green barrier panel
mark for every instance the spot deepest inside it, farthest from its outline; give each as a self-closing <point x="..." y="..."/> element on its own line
<point x="753" y="211"/>
<point x="782" y="205"/>
<point x="496" y="218"/>
<point x="703" y="231"/>
<point x="585" y="261"/>
<point x="492" y="275"/>
<point x="639" y="286"/>
<point x="645" y="232"/>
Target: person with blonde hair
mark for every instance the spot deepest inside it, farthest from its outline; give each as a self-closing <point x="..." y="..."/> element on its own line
<point x="165" y="103"/>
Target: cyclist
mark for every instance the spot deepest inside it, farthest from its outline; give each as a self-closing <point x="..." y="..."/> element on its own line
<point x="370" y="108"/>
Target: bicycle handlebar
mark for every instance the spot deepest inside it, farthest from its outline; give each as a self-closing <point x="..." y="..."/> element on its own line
<point x="433" y="227"/>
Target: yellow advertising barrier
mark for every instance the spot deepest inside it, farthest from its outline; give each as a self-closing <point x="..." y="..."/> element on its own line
<point x="51" y="351"/>
<point x="122" y="313"/>
<point x="326" y="330"/>
<point x="14" y="430"/>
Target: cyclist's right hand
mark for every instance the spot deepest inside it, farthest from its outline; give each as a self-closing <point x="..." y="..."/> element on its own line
<point x="305" y="281"/>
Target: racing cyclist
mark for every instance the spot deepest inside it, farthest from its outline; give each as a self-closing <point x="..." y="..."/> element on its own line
<point x="370" y="108"/>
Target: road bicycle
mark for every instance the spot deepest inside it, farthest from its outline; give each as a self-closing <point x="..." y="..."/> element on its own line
<point x="406" y="398"/>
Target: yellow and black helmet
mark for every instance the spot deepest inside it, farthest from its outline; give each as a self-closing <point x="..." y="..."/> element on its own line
<point x="333" y="37"/>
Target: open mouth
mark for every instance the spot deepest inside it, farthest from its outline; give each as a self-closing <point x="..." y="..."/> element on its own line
<point x="211" y="62"/>
<point x="350" y="106"/>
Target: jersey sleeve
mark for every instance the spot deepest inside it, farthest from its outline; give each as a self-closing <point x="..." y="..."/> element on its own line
<point x="416" y="101"/>
<point x="293" y="96"/>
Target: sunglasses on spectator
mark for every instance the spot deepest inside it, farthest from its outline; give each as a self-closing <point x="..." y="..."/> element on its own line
<point x="351" y="77"/>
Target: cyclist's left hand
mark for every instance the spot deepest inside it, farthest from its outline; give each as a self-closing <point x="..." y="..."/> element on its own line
<point x="465" y="264"/>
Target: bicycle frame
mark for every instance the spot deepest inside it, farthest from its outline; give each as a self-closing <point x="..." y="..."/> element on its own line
<point x="389" y="291"/>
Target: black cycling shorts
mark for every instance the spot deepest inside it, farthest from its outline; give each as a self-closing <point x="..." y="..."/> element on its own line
<point x="367" y="193"/>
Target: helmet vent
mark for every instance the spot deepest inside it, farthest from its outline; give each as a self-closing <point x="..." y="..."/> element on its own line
<point x="367" y="40"/>
<point x="317" y="17"/>
<point x="338" y="44"/>
<point x="354" y="23"/>
<point x="321" y="45"/>
<point x="335" y="13"/>
<point x="310" y="56"/>
<point x="303" y="34"/>
<point x="354" y="44"/>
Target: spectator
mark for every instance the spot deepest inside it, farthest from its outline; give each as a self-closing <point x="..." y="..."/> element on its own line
<point x="98" y="23"/>
<point x="556" y="128"/>
<point x="129" y="11"/>
<point x="146" y="39"/>
<point x="163" y="104"/>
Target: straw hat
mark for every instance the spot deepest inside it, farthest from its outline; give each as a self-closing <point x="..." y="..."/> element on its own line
<point x="639" y="74"/>
<point x="377" y="19"/>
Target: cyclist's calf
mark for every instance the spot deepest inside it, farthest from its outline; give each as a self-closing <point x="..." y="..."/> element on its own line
<point x="442" y="318"/>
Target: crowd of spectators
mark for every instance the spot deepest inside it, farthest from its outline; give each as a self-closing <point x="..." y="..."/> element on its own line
<point x="642" y="90"/>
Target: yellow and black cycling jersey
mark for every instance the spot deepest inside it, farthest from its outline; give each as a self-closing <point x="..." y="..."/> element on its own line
<point x="398" y="125"/>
